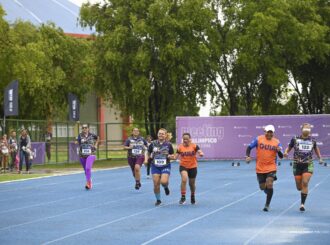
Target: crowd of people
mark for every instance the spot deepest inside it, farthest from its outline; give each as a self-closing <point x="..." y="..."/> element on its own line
<point x="158" y="154"/>
<point x="16" y="153"/>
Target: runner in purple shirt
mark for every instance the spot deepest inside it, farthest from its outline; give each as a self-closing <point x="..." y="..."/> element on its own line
<point x="136" y="146"/>
<point x="88" y="143"/>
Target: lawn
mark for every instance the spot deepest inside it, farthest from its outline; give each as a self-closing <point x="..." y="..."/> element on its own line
<point x="56" y="169"/>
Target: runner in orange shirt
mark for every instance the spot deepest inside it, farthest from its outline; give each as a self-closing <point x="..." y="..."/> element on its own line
<point x="267" y="149"/>
<point x="187" y="153"/>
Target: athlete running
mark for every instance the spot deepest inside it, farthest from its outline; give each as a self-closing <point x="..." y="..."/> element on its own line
<point x="187" y="153"/>
<point x="303" y="167"/>
<point x="161" y="152"/>
<point x="136" y="146"/>
<point x="88" y="143"/>
<point x="267" y="149"/>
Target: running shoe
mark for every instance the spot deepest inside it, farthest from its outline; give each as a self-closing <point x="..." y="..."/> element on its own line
<point x="167" y="190"/>
<point x="192" y="199"/>
<point x="158" y="202"/>
<point x="88" y="185"/>
<point x="182" y="200"/>
<point x="302" y="208"/>
<point x="266" y="208"/>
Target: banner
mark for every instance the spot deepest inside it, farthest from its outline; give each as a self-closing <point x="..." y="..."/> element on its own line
<point x="74" y="107"/>
<point x="73" y="152"/>
<point x="38" y="149"/>
<point x="11" y="99"/>
<point x="227" y="137"/>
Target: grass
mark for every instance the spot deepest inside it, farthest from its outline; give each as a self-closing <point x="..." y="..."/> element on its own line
<point x="53" y="169"/>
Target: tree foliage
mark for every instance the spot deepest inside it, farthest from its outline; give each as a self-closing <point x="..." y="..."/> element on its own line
<point x="48" y="64"/>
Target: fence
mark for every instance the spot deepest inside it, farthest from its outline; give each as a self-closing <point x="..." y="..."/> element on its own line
<point x="63" y="149"/>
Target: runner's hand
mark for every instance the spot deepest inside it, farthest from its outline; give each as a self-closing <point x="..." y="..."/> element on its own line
<point x="248" y="159"/>
<point x="285" y="155"/>
<point x="321" y="161"/>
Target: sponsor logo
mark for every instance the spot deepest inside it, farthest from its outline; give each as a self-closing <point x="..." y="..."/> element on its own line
<point x="284" y="126"/>
<point x="326" y="125"/>
<point x="315" y="135"/>
<point x="319" y="143"/>
<point x="240" y="127"/>
<point x="205" y="133"/>
<point x="289" y="135"/>
<point x="244" y="136"/>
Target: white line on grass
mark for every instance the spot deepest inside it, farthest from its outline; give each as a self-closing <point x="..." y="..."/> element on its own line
<point x="59" y="174"/>
<point x="279" y="215"/>
<point x="123" y="218"/>
<point x="200" y="217"/>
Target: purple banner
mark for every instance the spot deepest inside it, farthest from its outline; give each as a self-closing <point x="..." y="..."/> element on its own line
<point x="73" y="152"/>
<point x="38" y="149"/>
<point x="227" y="137"/>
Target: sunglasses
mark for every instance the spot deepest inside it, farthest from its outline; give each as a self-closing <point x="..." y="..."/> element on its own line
<point x="84" y="127"/>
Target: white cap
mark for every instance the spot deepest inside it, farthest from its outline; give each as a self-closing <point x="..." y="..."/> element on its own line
<point x="270" y="128"/>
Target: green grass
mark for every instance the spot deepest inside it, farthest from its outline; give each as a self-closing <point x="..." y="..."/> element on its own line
<point x="52" y="169"/>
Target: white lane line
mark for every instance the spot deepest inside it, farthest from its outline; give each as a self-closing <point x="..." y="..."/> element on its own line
<point x="70" y="212"/>
<point x="123" y="218"/>
<point x="59" y="174"/>
<point x="63" y="199"/>
<point x="199" y="218"/>
<point x="279" y="215"/>
<point x="29" y="11"/>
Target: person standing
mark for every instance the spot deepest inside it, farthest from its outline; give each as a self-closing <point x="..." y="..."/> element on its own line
<point x="88" y="143"/>
<point x="149" y="140"/>
<point x="136" y="146"/>
<point x="303" y="167"/>
<point x="48" y="141"/>
<point x="12" y="149"/>
<point x="4" y="146"/>
<point x="24" y="149"/>
<point x="267" y="148"/>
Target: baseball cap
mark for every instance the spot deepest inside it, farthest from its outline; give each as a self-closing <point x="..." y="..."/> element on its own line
<point x="270" y="128"/>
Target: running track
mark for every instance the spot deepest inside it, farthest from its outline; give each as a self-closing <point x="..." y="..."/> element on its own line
<point x="57" y="210"/>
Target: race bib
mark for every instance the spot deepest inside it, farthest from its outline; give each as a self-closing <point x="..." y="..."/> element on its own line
<point x="305" y="147"/>
<point x="160" y="162"/>
<point x="136" y="151"/>
<point x="4" y="150"/>
<point x="86" y="150"/>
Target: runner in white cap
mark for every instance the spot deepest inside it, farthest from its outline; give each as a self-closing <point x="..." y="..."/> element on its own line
<point x="267" y="149"/>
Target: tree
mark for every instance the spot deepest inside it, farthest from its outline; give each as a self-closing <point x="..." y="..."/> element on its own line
<point x="151" y="56"/>
<point x="48" y="65"/>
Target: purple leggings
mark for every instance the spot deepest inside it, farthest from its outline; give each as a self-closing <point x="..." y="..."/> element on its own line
<point x="87" y="164"/>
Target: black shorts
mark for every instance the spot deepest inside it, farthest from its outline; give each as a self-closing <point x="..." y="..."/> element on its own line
<point x="192" y="172"/>
<point x="262" y="177"/>
<point x="302" y="168"/>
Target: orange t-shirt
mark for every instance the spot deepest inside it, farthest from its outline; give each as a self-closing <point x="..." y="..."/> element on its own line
<point x="187" y="154"/>
<point x="266" y="154"/>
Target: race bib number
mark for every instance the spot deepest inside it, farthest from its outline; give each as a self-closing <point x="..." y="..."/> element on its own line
<point x="4" y="150"/>
<point x="160" y="162"/>
<point x="136" y="151"/>
<point x="305" y="147"/>
<point x="86" y="150"/>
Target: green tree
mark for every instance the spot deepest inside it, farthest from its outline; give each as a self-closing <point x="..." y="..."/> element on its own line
<point x="48" y="65"/>
<point x="151" y="56"/>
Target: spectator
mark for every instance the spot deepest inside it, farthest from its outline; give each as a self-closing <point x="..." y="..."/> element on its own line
<point x="24" y="151"/>
<point x="4" y="152"/>
<point x="48" y="141"/>
<point x="12" y="149"/>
